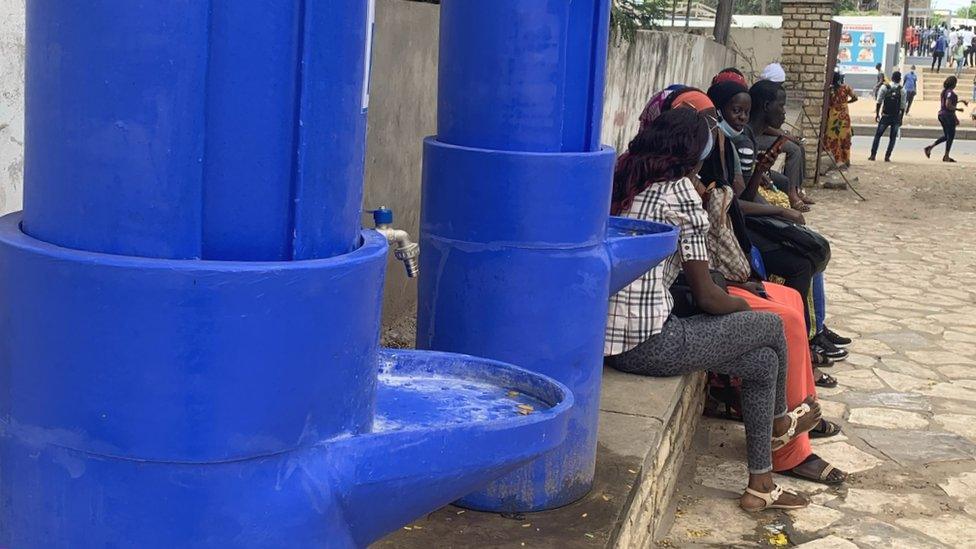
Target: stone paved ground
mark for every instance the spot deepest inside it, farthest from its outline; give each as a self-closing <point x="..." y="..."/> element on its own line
<point x="903" y="282"/>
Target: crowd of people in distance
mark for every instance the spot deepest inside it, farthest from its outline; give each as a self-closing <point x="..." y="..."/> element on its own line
<point x="955" y="45"/>
<point x="740" y="298"/>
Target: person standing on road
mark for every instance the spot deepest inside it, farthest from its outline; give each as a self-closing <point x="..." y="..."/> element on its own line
<point x="880" y="80"/>
<point x="911" y="88"/>
<point x="938" y="51"/>
<point x="888" y="112"/>
<point x="948" y="118"/>
<point x="837" y="139"/>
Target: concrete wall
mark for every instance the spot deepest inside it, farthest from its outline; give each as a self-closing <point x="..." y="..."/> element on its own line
<point x="757" y="48"/>
<point x="653" y="61"/>
<point x="402" y="111"/>
<point x="11" y="104"/>
<point x="403" y="107"/>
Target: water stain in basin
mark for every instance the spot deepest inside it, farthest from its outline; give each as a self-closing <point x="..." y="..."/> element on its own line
<point x="412" y="402"/>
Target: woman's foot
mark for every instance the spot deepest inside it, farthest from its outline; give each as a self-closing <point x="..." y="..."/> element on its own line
<point x="806" y="199"/>
<point x="797" y="202"/>
<point x="948" y="159"/>
<point x="800" y="206"/>
<point x="797" y="421"/>
<point x="825" y="429"/>
<point x="824" y="380"/>
<point x="820" y="360"/>
<point x="763" y="494"/>
<point x="815" y="469"/>
<point x="928" y="152"/>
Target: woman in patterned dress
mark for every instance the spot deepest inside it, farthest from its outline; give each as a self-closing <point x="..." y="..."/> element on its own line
<point x="838" y="138"/>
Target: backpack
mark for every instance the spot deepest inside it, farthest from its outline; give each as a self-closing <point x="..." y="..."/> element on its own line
<point x="891" y="101"/>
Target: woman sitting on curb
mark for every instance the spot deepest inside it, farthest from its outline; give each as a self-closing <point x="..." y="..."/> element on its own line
<point x="729" y="249"/>
<point x="653" y="181"/>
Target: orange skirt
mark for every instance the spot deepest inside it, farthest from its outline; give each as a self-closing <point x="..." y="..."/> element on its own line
<point x="787" y="304"/>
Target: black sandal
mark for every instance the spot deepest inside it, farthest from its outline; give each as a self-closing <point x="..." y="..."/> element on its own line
<point x="826" y="381"/>
<point x="825" y="429"/>
<point x="828" y="475"/>
<point x="819" y="359"/>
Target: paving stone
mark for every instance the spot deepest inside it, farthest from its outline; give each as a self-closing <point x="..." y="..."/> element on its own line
<point x="959" y="336"/>
<point x="902" y="340"/>
<point x="814" y="518"/>
<point x="848" y="458"/>
<point x="829" y="542"/>
<point x="887" y="418"/>
<point x="909" y="368"/>
<point x="956" y="407"/>
<point x="902" y="382"/>
<point x="958" y="372"/>
<point x="962" y="425"/>
<point x="871" y="533"/>
<point x="833" y="410"/>
<point x="713" y="520"/>
<point x="953" y="530"/>
<point x="961" y="487"/>
<point x="902" y="401"/>
<point x="865" y="380"/>
<point x="908" y="447"/>
<point x="939" y="357"/>
<point x="872" y="347"/>
<point x="878" y="502"/>
<point x="949" y="390"/>
<point x="861" y="360"/>
<point x="721" y="474"/>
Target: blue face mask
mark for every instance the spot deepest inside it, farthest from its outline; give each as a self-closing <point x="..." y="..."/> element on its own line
<point x="708" y="147"/>
<point x="728" y="130"/>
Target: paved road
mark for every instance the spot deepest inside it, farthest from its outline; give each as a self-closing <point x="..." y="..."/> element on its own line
<point x="902" y="281"/>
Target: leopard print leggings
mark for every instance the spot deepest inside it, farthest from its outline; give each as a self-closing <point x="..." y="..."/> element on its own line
<point x="750" y="345"/>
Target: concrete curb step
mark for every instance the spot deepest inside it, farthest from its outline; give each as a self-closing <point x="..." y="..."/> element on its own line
<point x="922" y="132"/>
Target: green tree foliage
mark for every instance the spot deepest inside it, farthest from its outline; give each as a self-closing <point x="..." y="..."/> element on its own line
<point x="629" y="16"/>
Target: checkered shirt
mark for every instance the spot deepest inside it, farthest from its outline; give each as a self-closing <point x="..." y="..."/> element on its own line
<point x="640" y="310"/>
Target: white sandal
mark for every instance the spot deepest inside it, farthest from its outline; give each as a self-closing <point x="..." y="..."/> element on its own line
<point x="791" y="433"/>
<point x="770" y="499"/>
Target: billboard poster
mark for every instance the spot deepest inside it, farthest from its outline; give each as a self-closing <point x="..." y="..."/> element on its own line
<point x="861" y="48"/>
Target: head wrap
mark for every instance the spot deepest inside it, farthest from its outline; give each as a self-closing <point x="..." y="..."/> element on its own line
<point x="723" y="92"/>
<point x="729" y="76"/>
<point x="655" y="106"/>
<point x="773" y="72"/>
<point x="696" y="99"/>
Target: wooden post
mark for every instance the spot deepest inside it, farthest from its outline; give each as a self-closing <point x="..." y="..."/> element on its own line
<point x="723" y="21"/>
<point x="674" y="9"/>
<point x="688" y="16"/>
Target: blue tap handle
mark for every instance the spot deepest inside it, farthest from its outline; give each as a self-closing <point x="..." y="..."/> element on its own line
<point x="382" y="216"/>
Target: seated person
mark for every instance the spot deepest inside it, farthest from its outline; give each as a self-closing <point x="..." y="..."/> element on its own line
<point x="652" y="181"/>
<point x="769" y="104"/>
<point x="729" y="250"/>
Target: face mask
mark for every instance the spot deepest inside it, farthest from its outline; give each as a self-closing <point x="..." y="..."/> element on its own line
<point x="708" y="147"/>
<point x="729" y="130"/>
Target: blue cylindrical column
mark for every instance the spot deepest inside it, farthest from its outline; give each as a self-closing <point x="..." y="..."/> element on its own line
<point x="519" y="254"/>
<point x="514" y="217"/>
<point x="522" y="75"/>
<point x="196" y="129"/>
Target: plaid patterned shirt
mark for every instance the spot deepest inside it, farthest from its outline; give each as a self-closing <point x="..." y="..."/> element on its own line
<point x="640" y="310"/>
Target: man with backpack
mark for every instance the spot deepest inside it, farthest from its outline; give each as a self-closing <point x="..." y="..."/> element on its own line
<point x="888" y="112"/>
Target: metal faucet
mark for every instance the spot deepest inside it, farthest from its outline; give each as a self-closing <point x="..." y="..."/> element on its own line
<point x="406" y="250"/>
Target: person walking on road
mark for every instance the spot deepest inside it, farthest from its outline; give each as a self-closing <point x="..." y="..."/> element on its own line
<point x="938" y="51"/>
<point x="911" y="88"/>
<point x="888" y="112"/>
<point x="948" y="118"/>
<point x="959" y="54"/>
